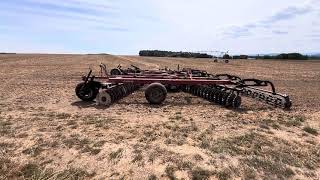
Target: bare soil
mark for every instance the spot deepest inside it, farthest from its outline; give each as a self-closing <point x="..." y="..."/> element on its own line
<point x="47" y="132"/>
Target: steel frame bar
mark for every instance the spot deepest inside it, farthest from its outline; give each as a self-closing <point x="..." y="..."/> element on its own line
<point x="163" y="80"/>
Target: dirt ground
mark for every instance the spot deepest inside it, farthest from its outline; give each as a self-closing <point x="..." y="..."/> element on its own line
<point x="47" y="132"/>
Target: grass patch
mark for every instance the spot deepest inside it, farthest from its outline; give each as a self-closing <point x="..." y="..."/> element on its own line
<point x="240" y="145"/>
<point x="176" y="133"/>
<point x="177" y="116"/>
<point x="74" y="173"/>
<point x="267" y="123"/>
<point x="74" y="140"/>
<point x="83" y="144"/>
<point x="99" y="143"/>
<point x="170" y="170"/>
<point x="62" y="116"/>
<point x="152" y="177"/>
<point x="249" y="173"/>
<point x="35" y="172"/>
<point x="8" y="169"/>
<point x="272" y="156"/>
<point x="33" y="151"/>
<point x="4" y="145"/>
<point x="184" y="165"/>
<point x="198" y="157"/>
<point x="311" y="130"/>
<point x="149" y="135"/>
<point x="272" y="169"/>
<point x="295" y="121"/>
<point x="137" y="157"/>
<point x="115" y="155"/>
<point x="232" y="114"/>
<point x="224" y="174"/>
<point x="5" y="128"/>
<point x="99" y="122"/>
<point x="176" y="139"/>
<point x="91" y="150"/>
<point x="200" y="174"/>
<point x="72" y="123"/>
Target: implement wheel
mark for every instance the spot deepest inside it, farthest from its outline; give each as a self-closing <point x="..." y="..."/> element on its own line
<point x="104" y="98"/>
<point x="86" y="92"/>
<point x="115" y="72"/>
<point x="156" y="93"/>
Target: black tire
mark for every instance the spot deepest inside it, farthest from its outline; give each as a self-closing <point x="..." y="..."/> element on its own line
<point x="86" y="92"/>
<point x="156" y="93"/>
<point x="115" y="72"/>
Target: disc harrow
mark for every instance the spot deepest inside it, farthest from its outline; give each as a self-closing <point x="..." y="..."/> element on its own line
<point x="216" y="94"/>
<point x="273" y="99"/>
<point x="222" y="89"/>
<point x="116" y="92"/>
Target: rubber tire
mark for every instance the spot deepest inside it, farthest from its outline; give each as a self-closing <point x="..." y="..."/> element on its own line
<point x="115" y="72"/>
<point x="156" y="93"/>
<point x="92" y="92"/>
<point x="104" y="98"/>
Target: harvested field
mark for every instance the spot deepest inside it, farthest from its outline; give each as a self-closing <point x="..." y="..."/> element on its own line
<point x="47" y="132"/>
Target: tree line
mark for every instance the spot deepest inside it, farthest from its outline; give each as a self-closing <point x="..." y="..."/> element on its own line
<point x="295" y="56"/>
<point x="284" y="56"/>
<point x="292" y="56"/>
<point x="157" y="53"/>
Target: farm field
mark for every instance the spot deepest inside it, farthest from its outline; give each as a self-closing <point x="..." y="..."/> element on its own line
<point x="47" y="132"/>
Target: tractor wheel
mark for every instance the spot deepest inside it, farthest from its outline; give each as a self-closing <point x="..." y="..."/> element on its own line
<point x="104" y="98"/>
<point x="156" y="93"/>
<point x="115" y="72"/>
<point x="86" y="92"/>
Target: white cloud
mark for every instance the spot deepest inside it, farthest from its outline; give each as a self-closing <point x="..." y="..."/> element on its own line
<point x="282" y="15"/>
<point x="122" y="26"/>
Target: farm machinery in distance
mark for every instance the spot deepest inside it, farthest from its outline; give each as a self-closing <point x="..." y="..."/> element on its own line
<point x="223" y="89"/>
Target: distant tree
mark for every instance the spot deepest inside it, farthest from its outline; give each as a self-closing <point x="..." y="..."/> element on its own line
<point x="227" y="56"/>
<point x="267" y="57"/>
<point x="240" y="57"/>
<point x="296" y="56"/>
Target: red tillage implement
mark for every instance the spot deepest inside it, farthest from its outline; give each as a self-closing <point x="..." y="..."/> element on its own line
<point x="223" y="89"/>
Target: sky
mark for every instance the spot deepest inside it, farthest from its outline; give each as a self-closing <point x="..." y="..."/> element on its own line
<point x="127" y="26"/>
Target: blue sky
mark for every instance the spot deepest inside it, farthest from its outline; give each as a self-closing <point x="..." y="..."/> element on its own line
<point x="125" y="27"/>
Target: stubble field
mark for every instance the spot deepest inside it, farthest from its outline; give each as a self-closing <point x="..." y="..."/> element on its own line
<point x="47" y="132"/>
